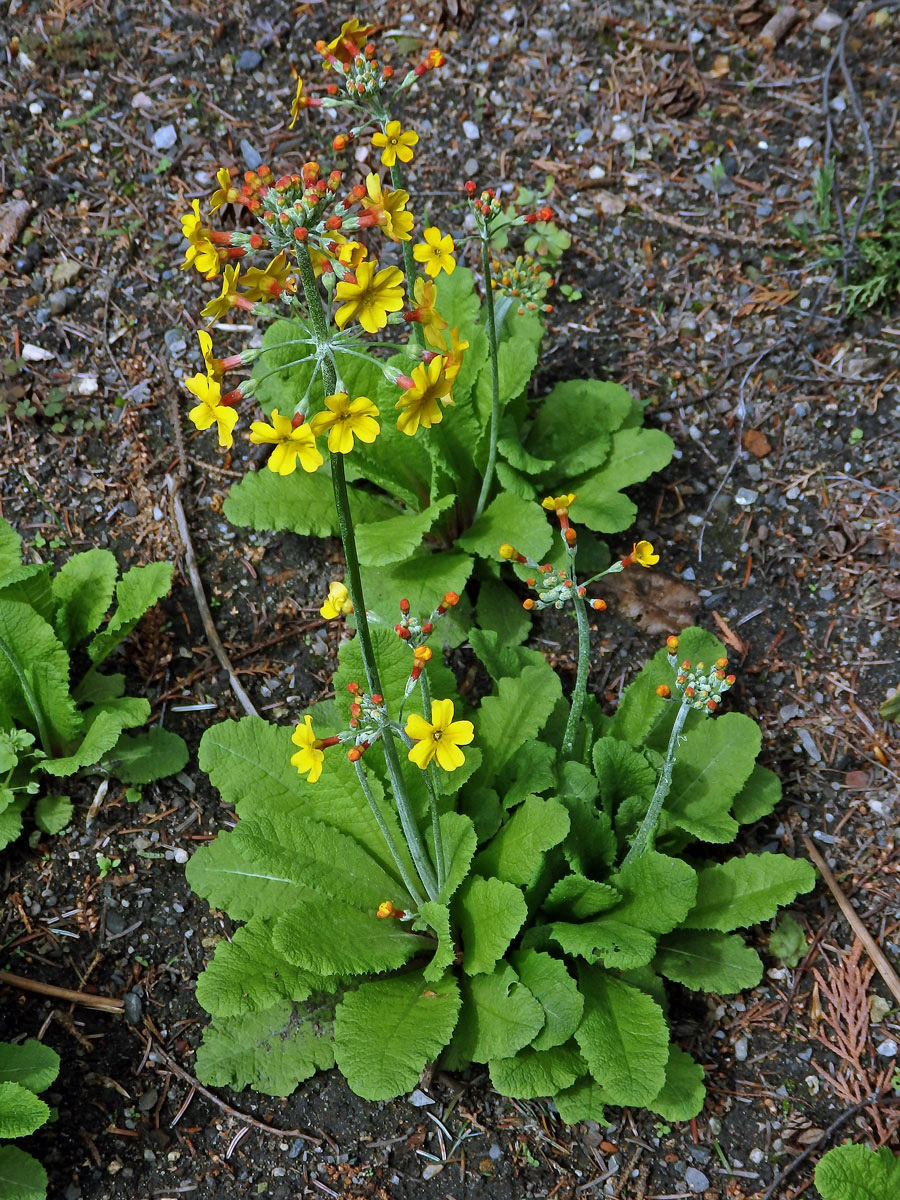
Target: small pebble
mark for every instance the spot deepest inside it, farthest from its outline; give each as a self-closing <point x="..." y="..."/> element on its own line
<point x="696" y="1180"/>
<point x="59" y="302"/>
<point x="148" y="1100"/>
<point x="165" y="137"/>
<point x="420" y="1099"/>
<point x="471" y="130"/>
<point x="745" y="496"/>
<point x="132" y="1007"/>
<point x="740" y="1049"/>
<point x="887" y="1048"/>
<point x="249" y="60"/>
<point x="180" y="856"/>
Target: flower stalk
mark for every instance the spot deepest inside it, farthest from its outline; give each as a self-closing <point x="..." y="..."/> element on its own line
<point x="646" y="834"/>
<point x="495" y="378"/>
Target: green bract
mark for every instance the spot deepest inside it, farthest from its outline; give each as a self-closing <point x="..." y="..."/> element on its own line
<point x="416" y="531"/>
<point x="545" y="956"/>
<point x="49" y="722"/>
<point x="26" y="1069"/>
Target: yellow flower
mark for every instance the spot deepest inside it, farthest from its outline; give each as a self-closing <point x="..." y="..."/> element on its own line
<point x="453" y="360"/>
<point x="420" y="402"/>
<point x="290" y="444"/>
<point x="426" y="314"/>
<point x="371" y="297"/>
<point x="642" y="553"/>
<point x="297" y="104"/>
<point x="337" y="602"/>
<point x="224" y="302"/>
<point x="353" y="37"/>
<point x="226" y="193"/>
<point x="201" y="253"/>
<point x="436" y="252"/>
<point x="346" y="419"/>
<point x="192" y="226"/>
<point x="267" y="284"/>
<point x="395" y="143"/>
<point x="440" y="738"/>
<point x="213" y="365"/>
<point x="559" y="504"/>
<point x="310" y="756"/>
<point x="390" y="207"/>
<point x="211" y="410"/>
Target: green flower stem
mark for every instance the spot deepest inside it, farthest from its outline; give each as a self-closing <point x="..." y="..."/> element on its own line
<point x="646" y="834"/>
<point x="388" y="836"/>
<point x="31" y="699"/>
<point x="432" y="791"/>
<point x="409" y="263"/>
<point x="411" y="832"/>
<point x="581" y="678"/>
<point x="495" y="379"/>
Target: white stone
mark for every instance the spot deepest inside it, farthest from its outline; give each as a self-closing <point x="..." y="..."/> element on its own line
<point x="471" y="130"/>
<point x="165" y="137"/>
<point x="32" y="353"/>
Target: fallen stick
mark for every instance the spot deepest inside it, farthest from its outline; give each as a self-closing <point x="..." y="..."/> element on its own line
<point x="778" y="26"/>
<point x="874" y="951"/>
<point x="106" y="1003"/>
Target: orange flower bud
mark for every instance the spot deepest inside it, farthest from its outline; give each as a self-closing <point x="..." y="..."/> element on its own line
<point x="721" y="663"/>
<point x="730" y="679"/>
<point x="571" y="536"/>
<point x="404" y="607"/>
<point x="599" y="605"/>
<point x="507" y="551"/>
<point x="672" y="644"/>
<point x="664" y="691"/>
<point x="423" y="653"/>
<point x="377" y="699"/>
<point x="451" y="598"/>
<point x="528" y="604"/>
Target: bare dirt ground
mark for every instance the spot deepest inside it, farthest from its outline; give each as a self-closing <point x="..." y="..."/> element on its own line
<point x="684" y="158"/>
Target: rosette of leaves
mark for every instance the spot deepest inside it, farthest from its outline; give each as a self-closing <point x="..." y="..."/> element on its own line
<point x="26" y="1070"/>
<point x="858" y="1173"/>
<point x="414" y="499"/>
<point x="543" y="957"/>
<point x="58" y="712"/>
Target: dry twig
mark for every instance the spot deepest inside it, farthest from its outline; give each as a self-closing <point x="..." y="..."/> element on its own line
<point x="106" y="1003"/>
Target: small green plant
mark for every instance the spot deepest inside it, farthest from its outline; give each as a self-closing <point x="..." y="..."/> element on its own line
<point x="49" y="723"/>
<point x="858" y="1173"/>
<point x="788" y="941"/>
<point x="876" y="279"/>
<point x="26" y="1069"/>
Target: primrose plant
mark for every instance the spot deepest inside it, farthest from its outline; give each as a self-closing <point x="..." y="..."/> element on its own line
<point x="353" y="339"/>
<point x="421" y="878"/>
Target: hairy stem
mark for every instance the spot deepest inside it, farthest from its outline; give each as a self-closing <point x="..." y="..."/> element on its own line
<point x="645" y="835"/>
<point x="436" y="834"/>
<point x="409" y="263"/>
<point x="408" y="883"/>
<point x="495" y="380"/>
<point x="581" y="678"/>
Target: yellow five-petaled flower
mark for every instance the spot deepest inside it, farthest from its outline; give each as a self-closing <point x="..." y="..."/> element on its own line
<point x="346" y="419"/>
<point x="436" y="252"/>
<point x="559" y="504"/>
<point x="337" y="602"/>
<point x="310" y="756"/>
<point x="440" y="738"/>
<point x="291" y="443"/>
<point x="211" y="410"/>
<point x="390" y="208"/>
<point x="420" y="402"/>
<point x="642" y="553"/>
<point x="395" y="143"/>
<point x="370" y="297"/>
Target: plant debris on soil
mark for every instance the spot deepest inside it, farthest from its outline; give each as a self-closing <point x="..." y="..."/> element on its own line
<point x="689" y="158"/>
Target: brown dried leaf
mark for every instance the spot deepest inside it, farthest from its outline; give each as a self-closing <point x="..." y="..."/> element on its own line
<point x="729" y="637"/>
<point x="609" y="203"/>
<point x="766" y="300"/>
<point x="720" y="68"/>
<point x="656" y="603"/>
<point x="13" y="219"/>
<point x="757" y="443"/>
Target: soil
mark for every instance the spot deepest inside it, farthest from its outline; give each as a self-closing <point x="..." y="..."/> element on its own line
<point x="684" y="160"/>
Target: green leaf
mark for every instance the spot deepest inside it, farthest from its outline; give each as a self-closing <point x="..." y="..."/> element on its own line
<point x="534" y="1073"/>
<point x="532" y="770"/>
<point x="605" y="939"/>
<point x="555" y="990"/>
<point x="657" y="892"/>
<point x="683" y="1092"/>
<point x="515" y="853"/>
<point x="95" y="688"/>
<point x="500" y="660"/>
<point x="576" y="898"/>
<point x="248" y="975"/>
<point x="489" y="913"/>
<point x="621" y="772"/>
<point x="329" y="937"/>
<point x="708" y="961"/>
<point x="389" y="1029"/>
<point x="280" y="380"/>
<point x="788" y="942"/>
<point x="624" y="1038"/>
<point x="582" y="1102"/>
<point x="744" y="891"/>
<point x="516" y="359"/>
<point x="511" y="519"/>
<point x="394" y="660"/>
<point x="499" y="1016"/>
<point x="226" y="878"/>
<point x="605" y="512"/>
<point x="270" y="1051"/>
<point x="21" y="1112"/>
<point x="436" y="917"/>
<point x="383" y="542"/>
<point x="858" y="1173"/>
<point x="136" y="592"/>
<point x="31" y="1064"/>
<point x="422" y="580"/>
<point x="758" y="797"/>
<point x="500" y="609"/>
<point x="34" y="667"/>
<point x="460" y="842"/>
<point x="11" y="821"/>
<point x="21" y="1175"/>
<point x="31" y="585"/>
<point x="634" y="456"/>
<point x="51" y="815"/>
<point x="457" y="299"/>
<point x="144" y="757"/>
<point x="714" y="761"/>
<point x="10" y="551"/>
<point x="573" y="427"/>
<point x="515" y="715"/>
<point x="517" y="456"/>
<point x="300" y="502"/>
<point x="83" y="590"/>
<point x="102" y="734"/>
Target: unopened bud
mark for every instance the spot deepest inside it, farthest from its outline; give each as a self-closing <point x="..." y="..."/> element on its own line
<point x="721" y="663"/>
<point x="600" y="605"/>
<point x="377" y="699"/>
<point x="404" y="607"/>
<point x="672" y="644"/>
<point x="664" y="691"/>
<point x="571" y="536"/>
<point x="730" y="679"/>
<point x="450" y="599"/>
<point x="528" y="604"/>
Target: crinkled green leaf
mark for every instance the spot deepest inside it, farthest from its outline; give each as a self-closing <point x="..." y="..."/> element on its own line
<point x="621" y="771"/>
<point x="573" y="427"/>
<point x="381" y="543"/>
<point x="624" y="1038"/>
<point x="533" y="1073"/>
<point x="30" y="1063"/>
<point x="635" y="455"/>
<point x="269" y="1051"/>
<point x="21" y="1112"/>
<point x="575" y="898"/>
<point x="422" y="580"/>
<point x="436" y="917"/>
<point x="227" y="879"/>
<point x="657" y="892"/>
<point x="758" y="797"/>
<point x="499" y="1016"/>
<point x="502" y="660"/>
<point x="11" y="820"/>
<point x="515" y="714"/>
<point x="714" y="761"/>
<point x="83" y="589"/>
<point x="28" y="643"/>
<point x="515" y="853"/>
<point x="95" y="688"/>
<point x="489" y="913"/>
<point x="531" y="771"/>
<point x="605" y="939"/>
<point x="858" y="1173"/>
<point x="31" y="585"/>
<point x="583" y="1101"/>
<point x="144" y="757"/>
<point x="517" y="456"/>
<point x="500" y="609"/>
<point x="280" y="378"/>
<point x="511" y="519"/>
<point x="53" y="813"/>
<point x="708" y="961"/>
<point x="300" y="502"/>
<point x="517" y="358"/>
<point x="553" y="987"/>
<point x="683" y="1092"/>
<point x="744" y="891"/>
<point x="329" y="937"/>
<point x="136" y="592"/>
<point x="10" y="551"/>
<point x="21" y="1175"/>
<point x="248" y="974"/>
<point x="457" y="299"/>
<point x="389" y="1029"/>
<point x="106" y="724"/>
<point x="460" y="842"/>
